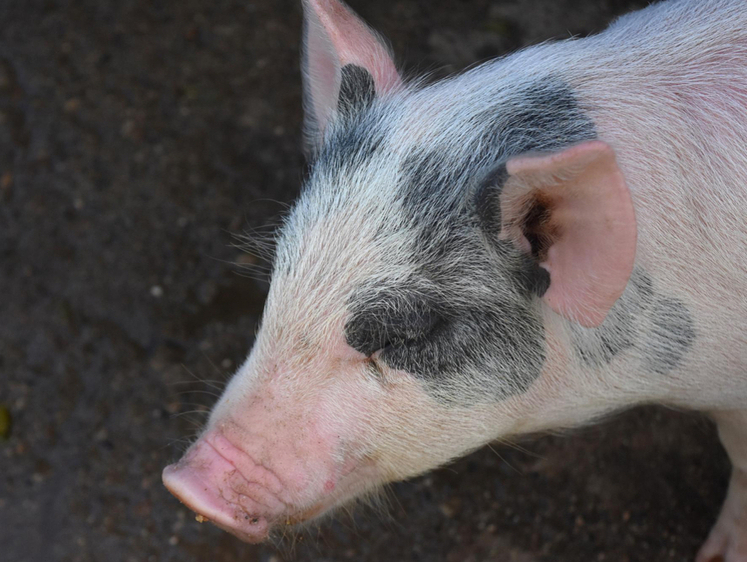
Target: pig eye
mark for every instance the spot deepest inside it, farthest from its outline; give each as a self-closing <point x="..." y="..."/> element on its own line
<point x="374" y="369"/>
<point x="386" y="325"/>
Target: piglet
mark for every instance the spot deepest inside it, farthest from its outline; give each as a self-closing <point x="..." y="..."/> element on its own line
<point x="531" y="244"/>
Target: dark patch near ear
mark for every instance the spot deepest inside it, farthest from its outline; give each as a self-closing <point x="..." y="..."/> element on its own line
<point x="534" y="278"/>
<point x="357" y="90"/>
<point x="672" y="334"/>
<point x="545" y="116"/>
<point x="620" y="329"/>
<point x="487" y="200"/>
<point x="661" y="327"/>
<point x="599" y="346"/>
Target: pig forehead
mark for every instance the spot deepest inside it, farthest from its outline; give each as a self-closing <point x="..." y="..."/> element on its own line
<point x="418" y="153"/>
<point x="491" y="344"/>
<point x="407" y="170"/>
<point x="388" y="204"/>
<point x="415" y="156"/>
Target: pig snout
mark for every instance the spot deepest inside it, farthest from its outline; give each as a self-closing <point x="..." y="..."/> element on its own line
<point x="223" y="484"/>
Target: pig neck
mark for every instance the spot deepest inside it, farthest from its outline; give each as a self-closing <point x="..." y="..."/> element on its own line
<point x="674" y="108"/>
<point x="673" y="105"/>
<point x="569" y="392"/>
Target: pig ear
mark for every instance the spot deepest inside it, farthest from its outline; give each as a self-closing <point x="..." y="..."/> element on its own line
<point x="573" y="211"/>
<point x="345" y="64"/>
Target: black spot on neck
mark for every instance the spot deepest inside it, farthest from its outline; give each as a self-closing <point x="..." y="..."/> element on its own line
<point x="660" y="327"/>
<point x="672" y="335"/>
<point x="600" y="345"/>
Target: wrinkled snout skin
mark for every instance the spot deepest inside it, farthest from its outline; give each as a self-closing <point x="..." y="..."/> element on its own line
<point x="529" y="245"/>
<point x="274" y="456"/>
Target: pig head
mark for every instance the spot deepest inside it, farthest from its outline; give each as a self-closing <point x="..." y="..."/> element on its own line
<point x="461" y="266"/>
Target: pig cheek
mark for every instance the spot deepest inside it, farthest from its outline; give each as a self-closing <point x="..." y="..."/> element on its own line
<point x="416" y="432"/>
<point x="408" y="428"/>
<point x="557" y="378"/>
<point x="345" y="412"/>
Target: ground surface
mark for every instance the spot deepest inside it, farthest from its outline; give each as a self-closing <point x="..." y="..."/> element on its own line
<point x="135" y="138"/>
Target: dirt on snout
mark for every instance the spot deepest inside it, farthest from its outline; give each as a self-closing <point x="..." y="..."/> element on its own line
<point x="135" y="139"/>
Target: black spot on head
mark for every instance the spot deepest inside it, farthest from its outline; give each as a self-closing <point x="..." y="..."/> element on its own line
<point x="383" y="319"/>
<point x="445" y="345"/>
<point x="357" y="90"/>
<point x="672" y="334"/>
<point x="545" y="116"/>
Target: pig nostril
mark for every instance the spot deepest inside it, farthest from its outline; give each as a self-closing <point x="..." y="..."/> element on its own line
<point x="253" y="520"/>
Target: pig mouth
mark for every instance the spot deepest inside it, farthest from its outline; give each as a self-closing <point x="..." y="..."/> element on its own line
<point x="221" y="485"/>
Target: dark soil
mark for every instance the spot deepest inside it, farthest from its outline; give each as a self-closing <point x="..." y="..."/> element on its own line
<point x="136" y="137"/>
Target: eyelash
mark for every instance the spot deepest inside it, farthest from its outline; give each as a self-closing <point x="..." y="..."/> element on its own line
<point x="374" y="368"/>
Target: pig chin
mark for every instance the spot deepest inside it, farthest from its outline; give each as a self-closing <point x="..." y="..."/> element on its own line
<point x="224" y="485"/>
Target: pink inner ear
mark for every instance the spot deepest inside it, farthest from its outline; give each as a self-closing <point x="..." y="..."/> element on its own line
<point x="593" y="227"/>
<point x="355" y="43"/>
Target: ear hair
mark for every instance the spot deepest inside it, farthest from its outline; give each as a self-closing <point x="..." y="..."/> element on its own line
<point x="357" y="90"/>
<point x="487" y="204"/>
<point x="571" y="211"/>
<point x="344" y="63"/>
